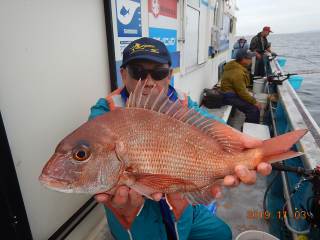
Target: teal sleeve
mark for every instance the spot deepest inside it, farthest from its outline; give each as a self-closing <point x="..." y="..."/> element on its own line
<point x="201" y="111"/>
<point x="101" y="107"/>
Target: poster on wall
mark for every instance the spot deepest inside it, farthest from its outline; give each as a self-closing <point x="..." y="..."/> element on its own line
<point x="163" y="22"/>
<point x="224" y="33"/>
<point x="128" y="22"/>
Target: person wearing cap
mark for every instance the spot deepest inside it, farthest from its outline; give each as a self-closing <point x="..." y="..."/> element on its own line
<point x="241" y="43"/>
<point x="234" y="83"/>
<point x="149" y="60"/>
<point x="259" y="44"/>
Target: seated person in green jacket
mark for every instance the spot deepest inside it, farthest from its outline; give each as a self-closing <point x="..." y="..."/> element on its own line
<point x="234" y="83"/>
<point x="148" y="58"/>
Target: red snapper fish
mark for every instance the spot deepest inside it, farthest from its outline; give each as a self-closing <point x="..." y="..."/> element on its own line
<point x="155" y="145"/>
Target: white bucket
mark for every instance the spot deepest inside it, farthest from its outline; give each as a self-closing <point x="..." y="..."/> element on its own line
<point x="258" y="85"/>
<point x="263" y="100"/>
<point x="255" y="235"/>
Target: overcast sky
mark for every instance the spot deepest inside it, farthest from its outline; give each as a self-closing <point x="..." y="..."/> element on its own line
<point x="283" y="16"/>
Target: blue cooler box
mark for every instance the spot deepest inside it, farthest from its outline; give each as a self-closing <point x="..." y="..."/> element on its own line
<point x="281" y="61"/>
<point x="295" y="81"/>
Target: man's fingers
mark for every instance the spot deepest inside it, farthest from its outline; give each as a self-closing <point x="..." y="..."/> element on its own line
<point x="264" y="168"/>
<point x="121" y="198"/>
<point x="156" y="196"/>
<point x="216" y="190"/>
<point x="231" y="181"/>
<point x="246" y="176"/>
<point x="136" y="198"/>
<point x="247" y="141"/>
<point x="101" y="197"/>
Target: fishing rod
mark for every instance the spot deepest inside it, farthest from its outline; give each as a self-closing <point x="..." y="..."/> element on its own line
<point x="274" y="55"/>
<point x="290" y="74"/>
<point x="298" y="58"/>
<point x="274" y="78"/>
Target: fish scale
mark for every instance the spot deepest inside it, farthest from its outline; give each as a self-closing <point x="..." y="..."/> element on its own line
<point x="187" y="158"/>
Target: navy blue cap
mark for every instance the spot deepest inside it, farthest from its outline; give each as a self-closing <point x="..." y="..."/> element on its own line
<point x="243" y="53"/>
<point x="146" y="48"/>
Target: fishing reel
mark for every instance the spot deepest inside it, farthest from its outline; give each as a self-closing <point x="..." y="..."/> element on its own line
<point x="273" y="56"/>
<point x="313" y="217"/>
<point x="275" y="81"/>
<point x="313" y="176"/>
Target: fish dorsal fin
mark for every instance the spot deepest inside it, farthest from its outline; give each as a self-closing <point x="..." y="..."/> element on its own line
<point x="161" y="103"/>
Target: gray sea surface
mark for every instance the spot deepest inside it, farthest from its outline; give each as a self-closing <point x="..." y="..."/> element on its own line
<point x="302" y="52"/>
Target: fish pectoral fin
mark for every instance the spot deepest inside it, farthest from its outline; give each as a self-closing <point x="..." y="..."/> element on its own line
<point x="143" y="189"/>
<point x="147" y="184"/>
<point x="205" y="196"/>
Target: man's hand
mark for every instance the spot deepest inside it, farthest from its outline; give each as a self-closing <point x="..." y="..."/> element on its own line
<point x="243" y="174"/>
<point x="258" y="105"/>
<point x="123" y="195"/>
<point x="248" y="177"/>
<point x="258" y="56"/>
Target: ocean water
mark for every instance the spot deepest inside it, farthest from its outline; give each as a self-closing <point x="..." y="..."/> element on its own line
<point x="300" y="49"/>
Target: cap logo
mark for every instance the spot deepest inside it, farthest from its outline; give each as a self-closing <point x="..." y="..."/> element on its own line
<point x="248" y="51"/>
<point x="138" y="48"/>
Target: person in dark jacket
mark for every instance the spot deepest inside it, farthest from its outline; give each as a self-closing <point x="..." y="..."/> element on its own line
<point x="259" y="44"/>
<point x="234" y="83"/>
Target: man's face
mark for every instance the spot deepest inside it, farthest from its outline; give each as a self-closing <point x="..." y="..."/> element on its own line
<point x="265" y="33"/>
<point x="131" y="83"/>
<point x="246" y="61"/>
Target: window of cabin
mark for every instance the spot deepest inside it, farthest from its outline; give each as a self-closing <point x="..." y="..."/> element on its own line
<point x="218" y="14"/>
<point x="220" y="70"/>
<point x="196" y="47"/>
<point x="192" y="37"/>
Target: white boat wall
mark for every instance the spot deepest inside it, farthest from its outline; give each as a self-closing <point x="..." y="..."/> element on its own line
<point x="58" y="58"/>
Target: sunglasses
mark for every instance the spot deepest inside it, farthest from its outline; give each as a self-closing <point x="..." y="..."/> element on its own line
<point x="157" y="74"/>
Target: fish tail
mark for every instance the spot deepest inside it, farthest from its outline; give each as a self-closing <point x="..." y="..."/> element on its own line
<point x="277" y="148"/>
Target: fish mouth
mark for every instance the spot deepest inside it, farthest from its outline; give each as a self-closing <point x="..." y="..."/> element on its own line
<point x="55" y="184"/>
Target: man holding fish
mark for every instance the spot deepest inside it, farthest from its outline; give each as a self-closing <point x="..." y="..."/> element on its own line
<point x="149" y="60"/>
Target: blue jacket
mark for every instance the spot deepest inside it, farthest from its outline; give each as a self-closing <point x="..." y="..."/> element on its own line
<point x="237" y="46"/>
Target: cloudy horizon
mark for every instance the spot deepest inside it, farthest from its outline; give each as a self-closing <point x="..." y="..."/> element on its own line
<point x="282" y="16"/>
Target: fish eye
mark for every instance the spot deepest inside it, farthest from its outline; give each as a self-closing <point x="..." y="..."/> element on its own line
<point x="81" y="153"/>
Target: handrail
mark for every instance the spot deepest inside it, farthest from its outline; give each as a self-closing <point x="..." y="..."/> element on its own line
<point x="297" y="115"/>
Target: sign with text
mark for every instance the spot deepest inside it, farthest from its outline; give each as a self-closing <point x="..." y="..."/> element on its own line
<point x="129" y="18"/>
<point x="163" y="23"/>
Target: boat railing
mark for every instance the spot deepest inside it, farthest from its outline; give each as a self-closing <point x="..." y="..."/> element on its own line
<point x="288" y="115"/>
<point x="296" y="117"/>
